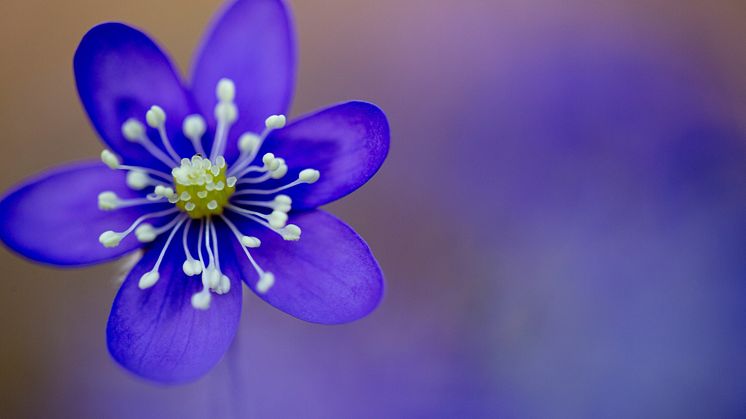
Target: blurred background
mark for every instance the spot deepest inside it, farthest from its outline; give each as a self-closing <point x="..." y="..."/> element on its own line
<point x="561" y="220"/>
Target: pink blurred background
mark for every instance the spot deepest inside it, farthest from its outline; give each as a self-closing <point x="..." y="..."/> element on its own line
<point x="561" y="220"/>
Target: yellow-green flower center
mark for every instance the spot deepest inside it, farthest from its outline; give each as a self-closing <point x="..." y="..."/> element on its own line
<point x="202" y="188"/>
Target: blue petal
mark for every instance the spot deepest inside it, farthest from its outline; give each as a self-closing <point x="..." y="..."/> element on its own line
<point x="347" y="143"/>
<point x="120" y="73"/>
<point x="252" y="43"/>
<point x="330" y="276"/>
<point x="54" y="217"/>
<point x="157" y="334"/>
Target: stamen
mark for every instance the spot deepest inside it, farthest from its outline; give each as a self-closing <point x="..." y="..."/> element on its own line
<point x="210" y="275"/>
<point x="134" y="131"/>
<point x="274" y="167"/>
<point x="146" y="233"/>
<point x="249" y="142"/>
<point x="109" y="200"/>
<point x="115" y="163"/>
<point x="166" y="192"/>
<point x="225" y="90"/>
<point x="199" y="244"/>
<point x="290" y="232"/>
<point x="254" y="180"/>
<point x="277" y="219"/>
<point x="251" y="242"/>
<point x="150" y="278"/>
<point x="275" y="122"/>
<point x="138" y="180"/>
<point x="194" y="128"/>
<point x="224" y="285"/>
<point x="191" y="266"/>
<point x="201" y="300"/>
<point x="226" y="114"/>
<point x="246" y="171"/>
<point x="266" y="279"/>
<point x="280" y="203"/>
<point x="306" y="176"/>
<point x="110" y="159"/>
<point x="250" y="146"/>
<point x="112" y="238"/>
<point x="164" y="176"/>
<point x="158" y="121"/>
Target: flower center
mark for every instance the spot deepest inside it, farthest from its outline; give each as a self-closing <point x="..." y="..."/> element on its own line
<point x="205" y="191"/>
<point x="202" y="187"/>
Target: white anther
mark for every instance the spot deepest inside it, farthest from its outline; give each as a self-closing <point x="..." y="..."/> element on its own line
<point x="110" y="238"/>
<point x="202" y="194"/>
<point x="290" y="232"/>
<point x="211" y="277"/>
<point x="156" y="116"/>
<point x="282" y="207"/>
<point x="145" y="233"/>
<point x="268" y="159"/>
<point x="192" y="267"/>
<point x="283" y="199"/>
<point x="231" y="181"/>
<point x="281" y="171"/>
<point x="251" y="242"/>
<point x="248" y="142"/>
<point x="194" y="127"/>
<point x="190" y="206"/>
<point x="133" y="130"/>
<point x="226" y="90"/>
<point x="108" y="201"/>
<point x="187" y="268"/>
<point x="275" y="122"/>
<point x="266" y="281"/>
<point x="224" y="285"/>
<point x="201" y="300"/>
<point x="138" y="180"/>
<point x="110" y="159"/>
<point x="277" y="219"/>
<point x="148" y="280"/>
<point x="212" y="205"/>
<point x="165" y="191"/>
<point x="226" y="111"/>
<point x="185" y="196"/>
<point x="220" y="162"/>
<point x="309" y="175"/>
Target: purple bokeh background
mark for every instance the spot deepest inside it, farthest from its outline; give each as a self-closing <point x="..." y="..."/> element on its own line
<point x="561" y="220"/>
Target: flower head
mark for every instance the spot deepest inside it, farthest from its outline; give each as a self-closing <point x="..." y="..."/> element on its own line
<point x="213" y="183"/>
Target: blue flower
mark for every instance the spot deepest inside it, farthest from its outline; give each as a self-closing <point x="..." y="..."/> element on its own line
<point x="213" y="184"/>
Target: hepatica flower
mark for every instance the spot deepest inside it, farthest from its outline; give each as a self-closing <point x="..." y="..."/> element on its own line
<point x="214" y="185"/>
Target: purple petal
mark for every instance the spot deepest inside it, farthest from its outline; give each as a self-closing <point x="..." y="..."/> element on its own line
<point x="347" y="143"/>
<point x="329" y="276"/>
<point x="157" y="334"/>
<point x="120" y="73"/>
<point x="54" y="217"/>
<point x="252" y="43"/>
